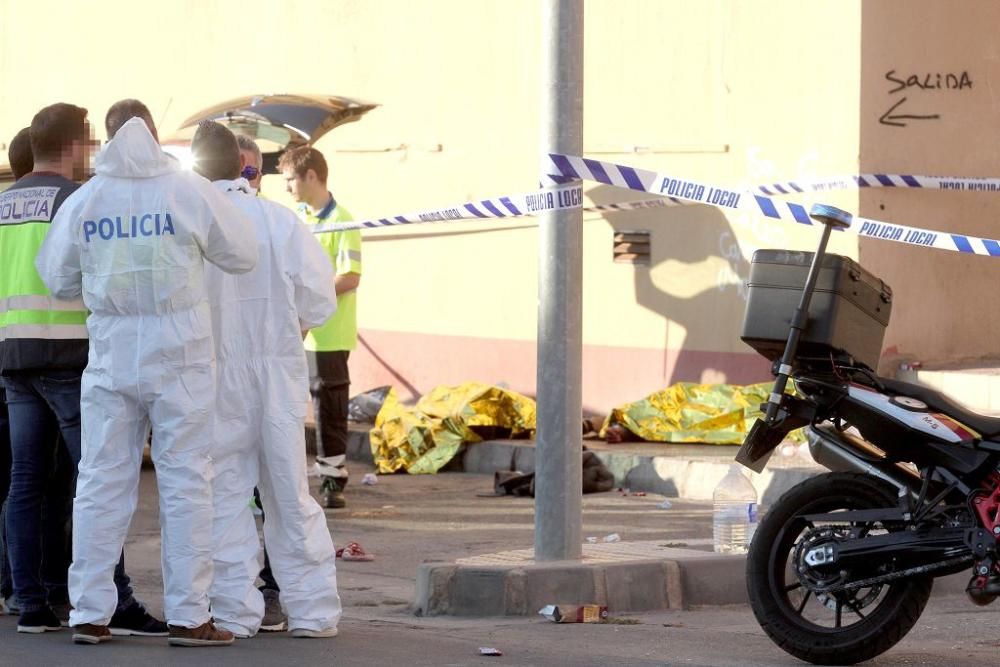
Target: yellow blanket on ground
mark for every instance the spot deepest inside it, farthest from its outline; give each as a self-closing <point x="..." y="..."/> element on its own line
<point x="718" y="414"/>
<point x="424" y="438"/>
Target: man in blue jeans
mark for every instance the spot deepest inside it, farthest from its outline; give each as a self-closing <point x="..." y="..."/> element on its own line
<point x="21" y="162"/>
<point x="43" y="351"/>
<point x="6" y="585"/>
<point x="55" y="543"/>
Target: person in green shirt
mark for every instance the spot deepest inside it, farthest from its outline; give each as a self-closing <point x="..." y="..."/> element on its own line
<point x="328" y="347"/>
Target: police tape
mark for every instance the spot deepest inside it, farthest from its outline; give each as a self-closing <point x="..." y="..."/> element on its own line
<point x="508" y="206"/>
<point x="672" y="191"/>
<point x="537" y="201"/>
<point x="831" y="184"/>
<point x="642" y="180"/>
<point x="961" y="183"/>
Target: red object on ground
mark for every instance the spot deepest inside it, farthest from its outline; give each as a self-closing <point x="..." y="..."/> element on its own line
<point x="354" y="552"/>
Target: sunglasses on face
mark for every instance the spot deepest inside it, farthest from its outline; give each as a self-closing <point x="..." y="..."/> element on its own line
<point x="250" y="172"/>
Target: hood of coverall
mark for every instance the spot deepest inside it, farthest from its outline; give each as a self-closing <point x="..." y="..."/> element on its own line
<point x="134" y="153"/>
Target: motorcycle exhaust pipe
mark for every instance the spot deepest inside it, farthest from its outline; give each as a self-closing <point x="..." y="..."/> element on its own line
<point x="843" y="452"/>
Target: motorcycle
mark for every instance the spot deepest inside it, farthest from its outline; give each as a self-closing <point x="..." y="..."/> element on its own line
<point x="841" y="566"/>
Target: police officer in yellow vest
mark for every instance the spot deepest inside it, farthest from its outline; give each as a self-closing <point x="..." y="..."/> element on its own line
<point x="328" y="347"/>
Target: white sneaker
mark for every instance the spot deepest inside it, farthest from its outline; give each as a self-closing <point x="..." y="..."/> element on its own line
<point x="314" y="634"/>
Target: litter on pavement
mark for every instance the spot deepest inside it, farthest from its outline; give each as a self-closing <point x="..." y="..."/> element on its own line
<point x="569" y="613"/>
<point x="354" y="552"/>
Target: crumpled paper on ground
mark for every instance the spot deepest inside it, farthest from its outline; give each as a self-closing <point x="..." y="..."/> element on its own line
<point x="718" y="414"/>
<point x="424" y="438"/>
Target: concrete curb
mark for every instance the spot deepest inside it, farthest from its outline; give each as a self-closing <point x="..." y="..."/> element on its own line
<point x="521" y="591"/>
<point x="688" y="580"/>
<point x="677" y="471"/>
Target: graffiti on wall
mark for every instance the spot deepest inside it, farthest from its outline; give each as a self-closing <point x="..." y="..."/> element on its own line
<point x="902" y="86"/>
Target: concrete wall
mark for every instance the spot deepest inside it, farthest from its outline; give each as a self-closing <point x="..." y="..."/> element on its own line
<point x="945" y="309"/>
<point x="726" y="92"/>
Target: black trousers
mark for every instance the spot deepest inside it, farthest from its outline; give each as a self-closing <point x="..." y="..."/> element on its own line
<point x="329" y="385"/>
<point x="265" y="574"/>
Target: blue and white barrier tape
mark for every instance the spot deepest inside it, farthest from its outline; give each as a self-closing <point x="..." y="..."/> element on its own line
<point x="674" y="191"/>
<point x="852" y="182"/>
<point x="508" y="206"/>
<point x="568" y="166"/>
<point x="960" y="183"/>
<point x="965" y="184"/>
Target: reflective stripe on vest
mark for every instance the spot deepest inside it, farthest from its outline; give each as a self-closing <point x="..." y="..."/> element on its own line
<point x="44" y="331"/>
<point x="42" y="316"/>
<point x="38" y="302"/>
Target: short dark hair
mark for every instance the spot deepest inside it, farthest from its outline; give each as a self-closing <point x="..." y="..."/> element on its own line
<point x="19" y="154"/>
<point x="216" y="153"/>
<point x="123" y="111"/>
<point x="55" y="128"/>
<point x="302" y="159"/>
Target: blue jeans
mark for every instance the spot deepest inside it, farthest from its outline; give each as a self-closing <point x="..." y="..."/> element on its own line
<point x="6" y="584"/>
<point x="42" y="406"/>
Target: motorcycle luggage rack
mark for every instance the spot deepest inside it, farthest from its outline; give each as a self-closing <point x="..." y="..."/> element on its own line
<point x="831" y="218"/>
<point x="783" y="413"/>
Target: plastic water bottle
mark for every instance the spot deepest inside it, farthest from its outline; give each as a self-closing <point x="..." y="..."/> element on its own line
<point x="734" y="514"/>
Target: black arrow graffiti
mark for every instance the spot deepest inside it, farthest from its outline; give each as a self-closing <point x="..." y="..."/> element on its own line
<point x="889" y="119"/>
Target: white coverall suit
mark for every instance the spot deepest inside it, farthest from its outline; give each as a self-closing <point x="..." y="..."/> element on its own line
<point x="263" y="391"/>
<point x="134" y="241"/>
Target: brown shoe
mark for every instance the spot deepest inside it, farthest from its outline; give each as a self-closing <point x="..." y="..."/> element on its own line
<point x="205" y="634"/>
<point x="88" y="633"/>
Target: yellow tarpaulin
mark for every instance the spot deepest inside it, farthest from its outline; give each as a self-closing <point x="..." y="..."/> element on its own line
<point x="718" y="414"/>
<point x="422" y="439"/>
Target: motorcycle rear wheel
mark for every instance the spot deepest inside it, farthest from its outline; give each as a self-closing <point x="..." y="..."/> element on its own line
<point x="866" y="622"/>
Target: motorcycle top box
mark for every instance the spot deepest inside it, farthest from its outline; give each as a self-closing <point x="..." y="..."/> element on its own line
<point x="848" y="314"/>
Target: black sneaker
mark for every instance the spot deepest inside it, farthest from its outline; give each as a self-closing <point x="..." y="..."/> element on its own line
<point x="39" y="621"/>
<point x="135" y="621"/>
<point x="61" y="611"/>
<point x="274" y="619"/>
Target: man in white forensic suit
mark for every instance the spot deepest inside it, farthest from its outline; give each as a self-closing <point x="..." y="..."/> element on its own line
<point x="134" y="241"/>
<point x="260" y="319"/>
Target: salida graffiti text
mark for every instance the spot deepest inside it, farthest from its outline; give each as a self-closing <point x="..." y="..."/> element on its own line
<point x="929" y="81"/>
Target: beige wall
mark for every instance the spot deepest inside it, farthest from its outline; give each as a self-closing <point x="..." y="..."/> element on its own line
<point x="945" y="312"/>
<point x="727" y="92"/>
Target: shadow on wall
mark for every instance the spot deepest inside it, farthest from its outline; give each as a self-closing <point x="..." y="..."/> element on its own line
<point x="695" y="279"/>
<point x="395" y="374"/>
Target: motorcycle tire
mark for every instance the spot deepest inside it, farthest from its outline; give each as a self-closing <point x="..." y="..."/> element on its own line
<point x="771" y="582"/>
